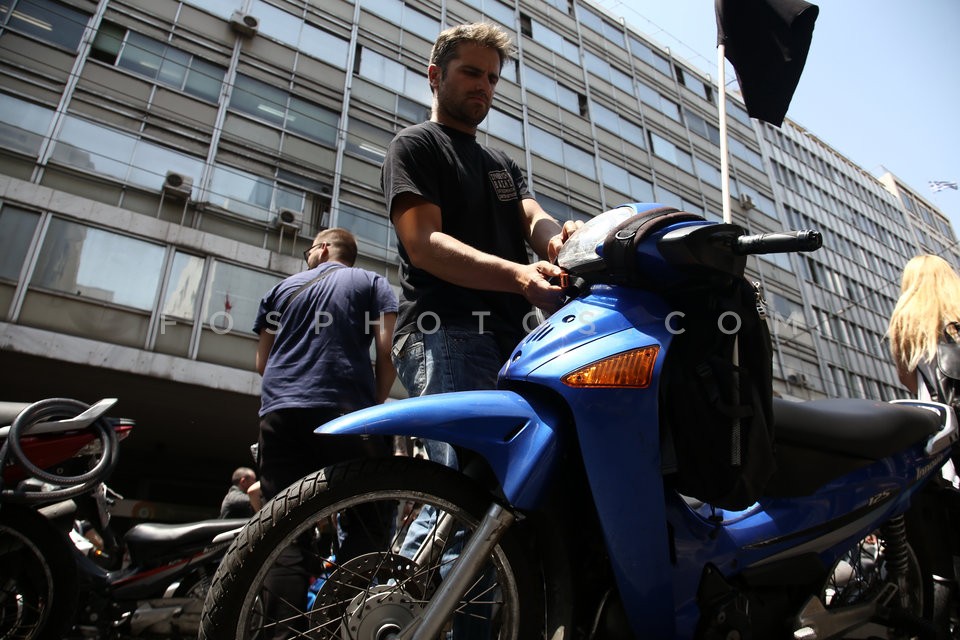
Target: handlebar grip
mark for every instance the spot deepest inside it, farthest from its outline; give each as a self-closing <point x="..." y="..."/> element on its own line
<point x="781" y="242"/>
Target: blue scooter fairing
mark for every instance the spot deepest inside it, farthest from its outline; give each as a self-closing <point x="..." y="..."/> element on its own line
<point x="519" y="442"/>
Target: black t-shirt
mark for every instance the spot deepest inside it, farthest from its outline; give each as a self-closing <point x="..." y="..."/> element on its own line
<point x="478" y="190"/>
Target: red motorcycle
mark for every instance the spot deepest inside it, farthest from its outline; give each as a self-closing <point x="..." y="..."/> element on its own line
<point x="63" y="571"/>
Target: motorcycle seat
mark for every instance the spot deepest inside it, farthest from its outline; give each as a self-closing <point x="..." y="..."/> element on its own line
<point x="821" y="440"/>
<point x="860" y="428"/>
<point x="149" y="541"/>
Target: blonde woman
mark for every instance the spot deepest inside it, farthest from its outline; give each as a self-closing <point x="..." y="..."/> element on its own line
<point x="929" y="301"/>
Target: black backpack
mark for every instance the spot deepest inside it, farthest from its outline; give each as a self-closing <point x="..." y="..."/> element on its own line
<point x="717" y="393"/>
<point x="942" y="377"/>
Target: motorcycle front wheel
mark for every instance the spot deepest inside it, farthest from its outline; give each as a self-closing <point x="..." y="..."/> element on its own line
<point x="357" y="551"/>
<point x="38" y="577"/>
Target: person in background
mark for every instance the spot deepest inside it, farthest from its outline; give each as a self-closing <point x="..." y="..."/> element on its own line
<point x="929" y="301"/>
<point x="236" y="504"/>
<point x="928" y="306"/>
<point x="316" y="329"/>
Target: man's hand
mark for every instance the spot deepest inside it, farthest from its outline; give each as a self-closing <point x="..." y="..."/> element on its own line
<point x="553" y="246"/>
<point x="536" y="287"/>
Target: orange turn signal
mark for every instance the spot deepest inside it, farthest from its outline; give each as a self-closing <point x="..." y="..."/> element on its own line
<point x="631" y="369"/>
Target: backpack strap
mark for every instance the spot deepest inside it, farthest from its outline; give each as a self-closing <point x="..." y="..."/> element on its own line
<point x="620" y="245"/>
<point x="304" y="287"/>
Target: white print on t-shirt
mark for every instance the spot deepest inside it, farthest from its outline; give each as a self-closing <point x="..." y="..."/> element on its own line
<point x="503" y="185"/>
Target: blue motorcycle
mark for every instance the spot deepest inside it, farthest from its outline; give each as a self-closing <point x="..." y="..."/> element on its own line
<point x="583" y="506"/>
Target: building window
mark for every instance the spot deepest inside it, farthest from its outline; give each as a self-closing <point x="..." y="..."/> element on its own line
<point x="625" y="182"/>
<point x="301" y="35"/>
<point x="16" y="228"/>
<point x="617" y="124"/>
<point x="49" y="21"/>
<point x="276" y="106"/>
<point x="666" y="150"/>
<point x="503" y="126"/>
<point x="563" y="153"/>
<point x="24" y="125"/>
<point x="181" y="294"/>
<point x="99" y="149"/>
<point x="610" y="33"/>
<point x="93" y="263"/>
<point x="646" y="54"/>
<point x="662" y="104"/>
<point x="252" y="196"/>
<point x="494" y="9"/>
<point x="233" y="295"/>
<point x="404" y="16"/>
<point x="372" y="227"/>
<point x="158" y="61"/>
<point x="549" y="88"/>
<point x="393" y="75"/>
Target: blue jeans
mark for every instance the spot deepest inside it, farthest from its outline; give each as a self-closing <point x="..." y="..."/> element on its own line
<point x="450" y="359"/>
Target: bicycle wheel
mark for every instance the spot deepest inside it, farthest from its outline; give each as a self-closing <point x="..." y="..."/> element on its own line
<point x="346" y="526"/>
<point x="38" y="577"/>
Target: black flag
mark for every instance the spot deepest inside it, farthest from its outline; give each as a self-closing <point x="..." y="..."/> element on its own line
<point x="767" y="42"/>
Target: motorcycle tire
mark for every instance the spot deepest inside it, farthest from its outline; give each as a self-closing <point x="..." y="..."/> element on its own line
<point x="38" y="577"/>
<point x="375" y="590"/>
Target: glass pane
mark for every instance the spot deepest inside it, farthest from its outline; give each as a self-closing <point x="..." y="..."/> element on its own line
<point x="98" y="264"/>
<point x="233" y="297"/>
<point x="142" y="55"/>
<point x="369" y="226"/>
<point x="50" y="21"/>
<point x="23" y="125"/>
<point x="180" y="296"/>
<point x="325" y="46"/>
<point x="277" y="23"/>
<point x="151" y="163"/>
<point x="204" y="80"/>
<point x="241" y="192"/>
<point x="173" y="69"/>
<point x="259" y="99"/>
<point x="16" y="230"/>
<point x="79" y="139"/>
<point x="312" y="121"/>
<point x="418" y="23"/>
<point x="106" y="46"/>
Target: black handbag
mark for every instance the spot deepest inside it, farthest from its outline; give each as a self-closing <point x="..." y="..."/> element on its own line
<point x="943" y="376"/>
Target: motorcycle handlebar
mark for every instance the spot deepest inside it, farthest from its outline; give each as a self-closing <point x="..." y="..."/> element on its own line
<point x="780" y="242"/>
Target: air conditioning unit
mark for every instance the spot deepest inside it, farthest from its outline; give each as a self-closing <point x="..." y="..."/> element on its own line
<point x="797" y="379"/>
<point x="244" y="23"/>
<point x="288" y="219"/>
<point x="746" y="201"/>
<point x="177" y="185"/>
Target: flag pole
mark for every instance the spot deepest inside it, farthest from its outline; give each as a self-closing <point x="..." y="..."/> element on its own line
<point x="722" y="113"/>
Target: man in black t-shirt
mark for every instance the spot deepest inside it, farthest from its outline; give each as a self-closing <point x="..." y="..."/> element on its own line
<point x="462" y="213"/>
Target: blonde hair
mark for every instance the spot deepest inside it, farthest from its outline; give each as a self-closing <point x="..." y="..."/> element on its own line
<point x="929" y="299"/>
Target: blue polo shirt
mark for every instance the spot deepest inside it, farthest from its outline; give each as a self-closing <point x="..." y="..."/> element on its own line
<point x="321" y="351"/>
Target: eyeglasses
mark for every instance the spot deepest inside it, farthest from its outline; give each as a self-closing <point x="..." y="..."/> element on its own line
<point x="306" y="254"/>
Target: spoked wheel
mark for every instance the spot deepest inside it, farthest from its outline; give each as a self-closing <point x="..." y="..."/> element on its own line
<point x="867" y="572"/>
<point x="38" y="577"/>
<point x="340" y="554"/>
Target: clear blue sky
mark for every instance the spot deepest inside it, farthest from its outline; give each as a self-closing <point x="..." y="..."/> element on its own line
<point x="881" y="84"/>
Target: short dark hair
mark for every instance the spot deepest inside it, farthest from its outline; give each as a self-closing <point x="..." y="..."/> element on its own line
<point x="342" y="244"/>
<point x="484" y="34"/>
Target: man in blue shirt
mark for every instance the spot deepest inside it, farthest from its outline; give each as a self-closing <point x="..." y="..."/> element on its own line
<point x="315" y="331"/>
